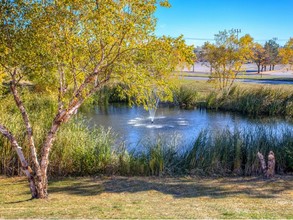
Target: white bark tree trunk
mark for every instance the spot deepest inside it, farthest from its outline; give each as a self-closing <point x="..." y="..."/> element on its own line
<point x="29" y="131"/>
<point x="24" y="165"/>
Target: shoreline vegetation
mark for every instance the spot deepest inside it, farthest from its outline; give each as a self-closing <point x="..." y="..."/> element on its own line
<point x="82" y="151"/>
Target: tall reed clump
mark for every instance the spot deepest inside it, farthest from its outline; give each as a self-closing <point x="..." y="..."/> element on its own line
<point x="108" y="94"/>
<point x="158" y="156"/>
<point x="234" y="151"/>
<point x="80" y="150"/>
<point x="185" y="96"/>
<point x="254" y="101"/>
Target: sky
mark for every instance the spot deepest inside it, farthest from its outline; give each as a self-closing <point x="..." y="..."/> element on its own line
<point x="199" y="20"/>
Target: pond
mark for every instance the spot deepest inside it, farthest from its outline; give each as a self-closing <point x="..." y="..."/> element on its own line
<point x="133" y="124"/>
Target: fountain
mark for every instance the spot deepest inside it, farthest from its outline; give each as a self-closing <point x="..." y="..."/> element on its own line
<point x="152" y="104"/>
<point x="152" y="110"/>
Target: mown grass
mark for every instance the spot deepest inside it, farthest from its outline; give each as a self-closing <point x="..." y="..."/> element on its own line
<point x="152" y="198"/>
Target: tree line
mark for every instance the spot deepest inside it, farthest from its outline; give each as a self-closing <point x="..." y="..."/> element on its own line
<point x="229" y="53"/>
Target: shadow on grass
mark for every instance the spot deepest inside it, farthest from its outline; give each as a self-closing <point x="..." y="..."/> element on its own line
<point x="178" y="188"/>
<point x="19" y="201"/>
<point x="82" y="187"/>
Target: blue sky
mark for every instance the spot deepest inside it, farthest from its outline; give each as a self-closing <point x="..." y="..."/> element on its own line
<point x="201" y="19"/>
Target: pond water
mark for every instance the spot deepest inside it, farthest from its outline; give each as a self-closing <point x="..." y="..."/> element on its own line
<point x="133" y="124"/>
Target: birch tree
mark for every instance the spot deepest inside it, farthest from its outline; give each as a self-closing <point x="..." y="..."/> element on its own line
<point x="75" y="48"/>
<point x="226" y="57"/>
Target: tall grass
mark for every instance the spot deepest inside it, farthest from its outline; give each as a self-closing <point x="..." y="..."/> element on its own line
<point x="185" y="96"/>
<point x="228" y="152"/>
<point x="254" y="101"/>
<point x="79" y="150"/>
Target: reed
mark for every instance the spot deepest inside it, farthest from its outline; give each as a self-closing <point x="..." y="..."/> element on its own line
<point x="234" y="151"/>
<point x="185" y="96"/>
<point x="254" y="101"/>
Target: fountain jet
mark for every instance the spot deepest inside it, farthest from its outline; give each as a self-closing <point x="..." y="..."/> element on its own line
<point x="153" y="109"/>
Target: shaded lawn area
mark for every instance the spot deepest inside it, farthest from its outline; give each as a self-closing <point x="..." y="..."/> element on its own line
<point x="151" y="197"/>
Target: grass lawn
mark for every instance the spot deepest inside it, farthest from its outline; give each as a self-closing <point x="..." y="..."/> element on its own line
<point x="149" y="197"/>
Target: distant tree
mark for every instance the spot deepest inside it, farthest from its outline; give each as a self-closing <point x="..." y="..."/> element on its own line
<point x="286" y="53"/>
<point x="73" y="49"/>
<point x="209" y="54"/>
<point x="227" y="56"/>
<point x="272" y="53"/>
<point x="259" y="56"/>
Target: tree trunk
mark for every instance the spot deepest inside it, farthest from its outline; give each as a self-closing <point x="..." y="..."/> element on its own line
<point x="271" y="164"/>
<point x="46" y="150"/>
<point x="262" y="162"/>
<point x="62" y="117"/>
<point x="24" y="165"/>
<point x="258" y="68"/>
<point x="29" y="131"/>
<point x="268" y="171"/>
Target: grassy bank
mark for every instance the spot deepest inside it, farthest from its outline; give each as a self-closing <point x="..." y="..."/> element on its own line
<point x="152" y="198"/>
<point x="260" y="101"/>
<point x="247" y="99"/>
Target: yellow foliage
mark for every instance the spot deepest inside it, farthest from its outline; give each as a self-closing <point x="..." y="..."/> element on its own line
<point x="227" y="56"/>
<point x="286" y="53"/>
<point x="72" y="48"/>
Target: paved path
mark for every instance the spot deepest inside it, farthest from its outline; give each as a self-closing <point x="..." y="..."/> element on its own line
<point x="280" y="72"/>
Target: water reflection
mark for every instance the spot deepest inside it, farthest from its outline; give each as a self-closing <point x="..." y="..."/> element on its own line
<point x="133" y="124"/>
